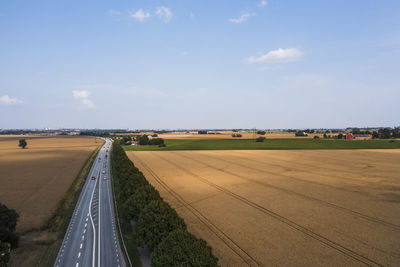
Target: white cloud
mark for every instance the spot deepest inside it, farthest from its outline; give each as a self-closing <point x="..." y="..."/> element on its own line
<point x="140" y="15"/>
<point x="6" y="100"/>
<point x="277" y="56"/>
<point x="244" y="17"/>
<point x="164" y="13"/>
<point x="263" y="3"/>
<point x="82" y="96"/>
<point x="87" y="103"/>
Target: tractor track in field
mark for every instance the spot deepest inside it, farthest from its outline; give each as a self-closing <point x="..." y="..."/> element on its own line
<point x="228" y="241"/>
<point x="265" y="184"/>
<point x="336" y="246"/>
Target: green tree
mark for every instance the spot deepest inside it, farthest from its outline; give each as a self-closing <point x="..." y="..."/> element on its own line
<point x="181" y="248"/>
<point x="143" y="140"/>
<point x="155" y="222"/>
<point x="260" y="139"/>
<point x="22" y="143"/>
<point x="139" y="199"/>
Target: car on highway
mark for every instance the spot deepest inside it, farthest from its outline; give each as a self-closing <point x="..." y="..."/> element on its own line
<point x="93" y="178"/>
<point x="104" y="171"/>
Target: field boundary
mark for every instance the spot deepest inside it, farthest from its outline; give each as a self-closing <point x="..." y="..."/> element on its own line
<point x="116" y="215"/>
<point x="125" y="230"/>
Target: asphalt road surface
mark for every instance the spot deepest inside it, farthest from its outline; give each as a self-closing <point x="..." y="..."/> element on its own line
<point x="92" y="236"/>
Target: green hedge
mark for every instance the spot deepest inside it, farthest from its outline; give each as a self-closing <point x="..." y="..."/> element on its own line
<point x="158" y="224"/>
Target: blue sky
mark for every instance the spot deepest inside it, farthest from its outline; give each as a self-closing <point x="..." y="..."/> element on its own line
<point x="199" y="64"/>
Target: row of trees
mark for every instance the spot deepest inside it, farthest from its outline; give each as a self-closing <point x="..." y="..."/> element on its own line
<point x="8" y="238"/>
<point x="158" y="225"/>
<point x="142" y="140"/>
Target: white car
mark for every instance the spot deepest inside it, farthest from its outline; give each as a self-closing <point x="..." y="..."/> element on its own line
<point x="104" y="171"/>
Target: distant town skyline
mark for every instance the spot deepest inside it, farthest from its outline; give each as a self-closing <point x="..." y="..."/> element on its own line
<point x="199" y="64"/>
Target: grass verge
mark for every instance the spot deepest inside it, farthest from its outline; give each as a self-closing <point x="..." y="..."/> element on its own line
<point x="125" y="227"/>
<point x="42" y="245"/>
<point x="270" y="144"/>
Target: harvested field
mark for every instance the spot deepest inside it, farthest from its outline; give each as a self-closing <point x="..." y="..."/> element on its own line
<point x="274" y="208"/>
<point x="34" y="179"/>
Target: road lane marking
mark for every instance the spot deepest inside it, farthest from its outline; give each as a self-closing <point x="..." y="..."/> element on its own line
<point x="84" y="231"/>
<point x="81" y="245"/>
<point x="77" y="264"/>
<point x="79" y="255"/>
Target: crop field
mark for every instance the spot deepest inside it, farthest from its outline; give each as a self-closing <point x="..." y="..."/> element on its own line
<point x="34" y="179"/>
<point x="285" y="207"/>
<point x="224" y="135"/>
<point x="286" y="143"/>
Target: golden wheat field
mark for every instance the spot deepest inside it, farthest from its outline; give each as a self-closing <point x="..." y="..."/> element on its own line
<point x="34" y="179"/>
<point x="285" y="208"/>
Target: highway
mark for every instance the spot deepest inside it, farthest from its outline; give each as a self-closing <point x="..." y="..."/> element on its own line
<point x="92" y="235"/>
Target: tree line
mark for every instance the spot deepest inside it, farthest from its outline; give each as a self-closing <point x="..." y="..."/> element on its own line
<point x="157" y="224"/>
<point x="8" y="238"/>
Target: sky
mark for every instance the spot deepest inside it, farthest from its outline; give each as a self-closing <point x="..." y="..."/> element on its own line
<point x="194" y="64"/>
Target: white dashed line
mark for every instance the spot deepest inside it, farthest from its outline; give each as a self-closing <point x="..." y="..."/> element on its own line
<point x="81" y="245"/>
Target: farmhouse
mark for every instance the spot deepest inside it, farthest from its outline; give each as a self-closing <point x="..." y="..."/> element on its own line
<point x="351" y="136"/>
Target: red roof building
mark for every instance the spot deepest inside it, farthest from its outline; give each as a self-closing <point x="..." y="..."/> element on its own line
<point x="349" y="136"/>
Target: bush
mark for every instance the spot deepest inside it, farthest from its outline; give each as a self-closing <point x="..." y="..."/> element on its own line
<point x="181" y="248"/>
<point x="154" y="135"/>
<point x="261" y="132"/>
<point x="236" y="135"/>
<point x="155" y="222"/>
<point x="260" y="139"/>
<point x="300" y="133"/>
<point x="4" y="254"/>
<point x="316" y="137"/>
<point x="8" y="223"/>
<point x="156" y="141"/>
